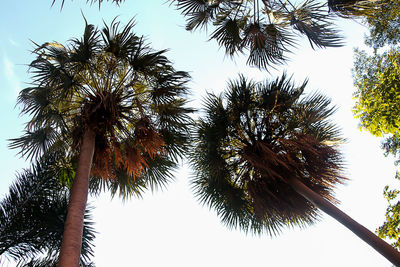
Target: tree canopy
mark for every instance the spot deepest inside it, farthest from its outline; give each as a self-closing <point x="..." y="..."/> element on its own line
<point x="391" y="227"/>
<point x="268" y="30"/>
<point x="252" y="140"/>
<point x="111" y="81"/>
<point x="384" y="25"/>
<point x="32" y="217"/>
<point x="377" y="77"/>
<point x="377" y="81"/>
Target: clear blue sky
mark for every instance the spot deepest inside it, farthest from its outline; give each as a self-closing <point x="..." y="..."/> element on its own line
<point x="169" y="227"/>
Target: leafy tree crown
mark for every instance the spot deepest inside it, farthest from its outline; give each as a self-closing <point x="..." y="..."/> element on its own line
<point x="251" y="140"/>
<point x="112" y="83"/>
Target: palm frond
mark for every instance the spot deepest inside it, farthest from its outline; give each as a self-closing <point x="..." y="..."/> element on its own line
<point x="227" y="34"/>
<point x="83" y="49"/>
<point x="309" y="20"/>
<point x="32" y="216"/>
<point x="121" y="43"/>
<point x="146" y="61"/>
<point x="34" y="144"/>
<point x="191" y="6"/>
<point x="267" y="44"/>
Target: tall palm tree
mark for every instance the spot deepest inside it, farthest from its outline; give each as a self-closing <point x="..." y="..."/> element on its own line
<point x="269" y="29"/>
<point x="32" y="217"/>
<point x="114" y="106"/>
<point x="266" y="157"/>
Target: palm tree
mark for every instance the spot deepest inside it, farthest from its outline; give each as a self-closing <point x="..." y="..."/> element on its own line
<point x="112" y="105"/>
<point x="268" y="29"/>
<point x="265" y="158"/>
<point x="32" y="217"/>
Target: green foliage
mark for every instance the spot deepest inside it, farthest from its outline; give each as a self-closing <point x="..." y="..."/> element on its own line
<point x="32" y="217"/>
<point x="377" y="79"/>
<point x="384" y="26"/>
<point x="391" y="228"/>
<point x="376" y="76"/>
<point x="254" y="137"/>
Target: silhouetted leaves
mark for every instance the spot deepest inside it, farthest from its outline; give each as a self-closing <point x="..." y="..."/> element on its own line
<point x="267" y="29"/>
<point x="255" y="137"/>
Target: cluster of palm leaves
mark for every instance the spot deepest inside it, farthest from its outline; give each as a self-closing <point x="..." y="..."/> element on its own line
<point x="112" y="83"/>
<point x="268" y="29"/>
<point x="32" y="217"/>
<point x="252" y="140"/>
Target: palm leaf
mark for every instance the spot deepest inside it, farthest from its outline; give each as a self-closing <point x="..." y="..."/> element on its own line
<point x="192" y="6"/>
<point x="227" y="34"/>
<point x="267" y="44"/>
<point x="34" y="144"/>
<point x="122" y="42"/>
<point x="87" y="46"/>
<point x="309" y="20"/>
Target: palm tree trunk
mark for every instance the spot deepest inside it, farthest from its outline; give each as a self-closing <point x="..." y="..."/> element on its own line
<point x="72" y="237"/>
<point x="373" y="240"/>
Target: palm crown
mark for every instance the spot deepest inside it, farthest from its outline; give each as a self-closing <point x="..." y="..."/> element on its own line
<point x="268" y="29"/>
<point x="114" y="84"/>
<point x="252" y="140"/>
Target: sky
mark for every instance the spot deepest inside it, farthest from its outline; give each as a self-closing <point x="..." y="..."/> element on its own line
<point x="170" y="227"/>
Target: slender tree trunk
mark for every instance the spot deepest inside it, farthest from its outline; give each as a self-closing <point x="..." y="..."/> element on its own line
<point x="369" y="237"/>
<point x="72" y="237"/>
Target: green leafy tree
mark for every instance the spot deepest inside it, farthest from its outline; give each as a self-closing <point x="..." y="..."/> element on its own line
<point x="32" y="217"/>
<point x="114" y="106"/>
<point x="266" y="157"/>
<point x="391" y="227"/>
<point x="377" y="81"/>
<point x="377" y="75"/>
<point x="384" y="24"/>
<point x="269" y="29"/>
